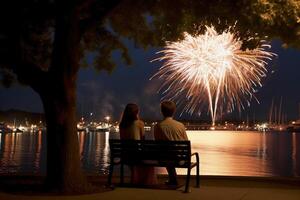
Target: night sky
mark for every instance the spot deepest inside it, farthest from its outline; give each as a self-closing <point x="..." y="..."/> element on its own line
<point x="107" y="94"/>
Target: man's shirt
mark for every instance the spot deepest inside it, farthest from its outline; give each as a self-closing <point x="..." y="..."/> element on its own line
<point x="170" y="129"/>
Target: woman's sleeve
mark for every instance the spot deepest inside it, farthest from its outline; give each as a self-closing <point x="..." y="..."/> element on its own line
<point x="142" y="130"/>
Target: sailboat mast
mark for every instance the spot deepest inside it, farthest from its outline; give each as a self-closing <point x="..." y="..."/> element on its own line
<point x="299" y="110"/>
<point x="271" y="111"/>
<point x="279" y="111"/>
<point x="275" y="115"/>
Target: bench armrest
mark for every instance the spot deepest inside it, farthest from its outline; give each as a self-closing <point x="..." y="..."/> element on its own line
<point x="197" y="156"/>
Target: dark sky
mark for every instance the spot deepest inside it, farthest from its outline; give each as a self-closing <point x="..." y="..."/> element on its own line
<point x="105" y="94"/>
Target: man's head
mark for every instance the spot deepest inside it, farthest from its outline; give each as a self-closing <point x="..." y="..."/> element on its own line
<point x="167" y="108"/>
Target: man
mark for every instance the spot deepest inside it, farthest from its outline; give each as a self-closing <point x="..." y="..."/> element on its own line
<point x="169" y="129"/>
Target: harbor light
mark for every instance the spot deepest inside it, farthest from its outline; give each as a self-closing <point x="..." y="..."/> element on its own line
<point x="107" y="118"/>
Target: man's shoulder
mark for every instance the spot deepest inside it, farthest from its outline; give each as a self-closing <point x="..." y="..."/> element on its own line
<point x="160" y="123"/>
<point x="178" y="123"/>
<point x="170" y="122"/>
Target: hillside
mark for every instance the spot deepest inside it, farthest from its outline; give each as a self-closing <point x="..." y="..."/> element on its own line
<point x="20" y="116"/>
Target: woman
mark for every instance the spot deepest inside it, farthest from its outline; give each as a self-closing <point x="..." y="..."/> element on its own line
<point x="132" y="128"/>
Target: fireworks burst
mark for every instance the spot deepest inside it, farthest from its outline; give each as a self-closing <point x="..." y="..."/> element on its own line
<point x="211" y="69"/>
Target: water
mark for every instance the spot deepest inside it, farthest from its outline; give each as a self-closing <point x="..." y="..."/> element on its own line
<point x="236" y="153"/>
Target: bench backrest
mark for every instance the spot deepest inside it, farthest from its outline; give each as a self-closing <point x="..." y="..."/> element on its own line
<point x="160" y="153"/>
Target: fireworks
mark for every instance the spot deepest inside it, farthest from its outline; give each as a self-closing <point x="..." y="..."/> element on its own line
<point x="211" y="70"/>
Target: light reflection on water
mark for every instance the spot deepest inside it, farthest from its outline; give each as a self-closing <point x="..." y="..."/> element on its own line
<point x="247" y="153"/>
<point x="94" y="151"/>
<point x="22" y="152"/>
<point x="221" y="152"/>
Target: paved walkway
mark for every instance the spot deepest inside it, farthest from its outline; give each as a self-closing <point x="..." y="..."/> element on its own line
<point x="211" y="188"/>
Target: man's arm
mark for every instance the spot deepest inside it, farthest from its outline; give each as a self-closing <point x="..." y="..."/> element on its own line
<point x="158" y="134"/>
<point x="184" y="135"/>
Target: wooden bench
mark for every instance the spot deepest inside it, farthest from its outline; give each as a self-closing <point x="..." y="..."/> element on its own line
<point x="153" y="153"/>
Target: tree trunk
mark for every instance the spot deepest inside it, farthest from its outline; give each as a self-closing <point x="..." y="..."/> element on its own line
<point x="59" y="99"/>
<point x="63" y="160"/>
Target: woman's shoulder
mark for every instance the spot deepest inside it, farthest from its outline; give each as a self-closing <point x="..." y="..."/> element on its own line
<point x="139" y="122"/>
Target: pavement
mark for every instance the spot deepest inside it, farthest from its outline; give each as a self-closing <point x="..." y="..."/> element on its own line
<point x="212" y="188"/>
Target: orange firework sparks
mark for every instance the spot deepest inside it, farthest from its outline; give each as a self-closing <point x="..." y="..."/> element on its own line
<point x="211" y="69"/>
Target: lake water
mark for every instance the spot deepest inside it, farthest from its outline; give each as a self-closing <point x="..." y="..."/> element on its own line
<point x="236" y="153"/>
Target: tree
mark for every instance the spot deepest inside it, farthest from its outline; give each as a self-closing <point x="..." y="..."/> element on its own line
<point x="44" y="43"/>
<point x="41" y="45"/>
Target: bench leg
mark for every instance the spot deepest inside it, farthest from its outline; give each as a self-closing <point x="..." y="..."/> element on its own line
<point x="122" y="174"/>
<point x="187" y="188"/>
<point x="198" y="175"/>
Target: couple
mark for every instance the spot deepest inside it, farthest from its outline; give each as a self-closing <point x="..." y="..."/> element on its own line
<point x="131" y="127"/>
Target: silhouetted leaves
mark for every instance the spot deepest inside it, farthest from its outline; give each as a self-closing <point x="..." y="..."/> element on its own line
<point x="146" y="23"/>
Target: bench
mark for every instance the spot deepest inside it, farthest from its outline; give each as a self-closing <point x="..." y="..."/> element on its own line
<point x="153" y="153"/>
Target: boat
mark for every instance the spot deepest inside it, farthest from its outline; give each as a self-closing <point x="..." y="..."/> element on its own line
<point x="4" y="128"/>
<point x="34" y="128"/>
<point x="92" y="127"/>
<point x="294" y="126"/>
<point x="277" y="118"/>
<point x="23" y="128"/>
<point x="17" y="130"/>
<point x="81" y="127"/>
<point x="103" y="127"/>
<point x="114" y="129"/>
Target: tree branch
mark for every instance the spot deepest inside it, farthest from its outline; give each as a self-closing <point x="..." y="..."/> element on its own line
<point x="97" y="12"/>
<point x="26" y="72"/>
<point x="31" y="75"/>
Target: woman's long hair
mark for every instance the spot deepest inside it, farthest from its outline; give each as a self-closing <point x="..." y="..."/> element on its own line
<point x="130" y="114"/>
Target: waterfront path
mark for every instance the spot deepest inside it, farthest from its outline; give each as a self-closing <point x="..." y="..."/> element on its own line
<point x="233" y="188"/>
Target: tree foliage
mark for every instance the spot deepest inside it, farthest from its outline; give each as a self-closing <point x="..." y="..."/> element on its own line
<point x="147" y="23"/>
